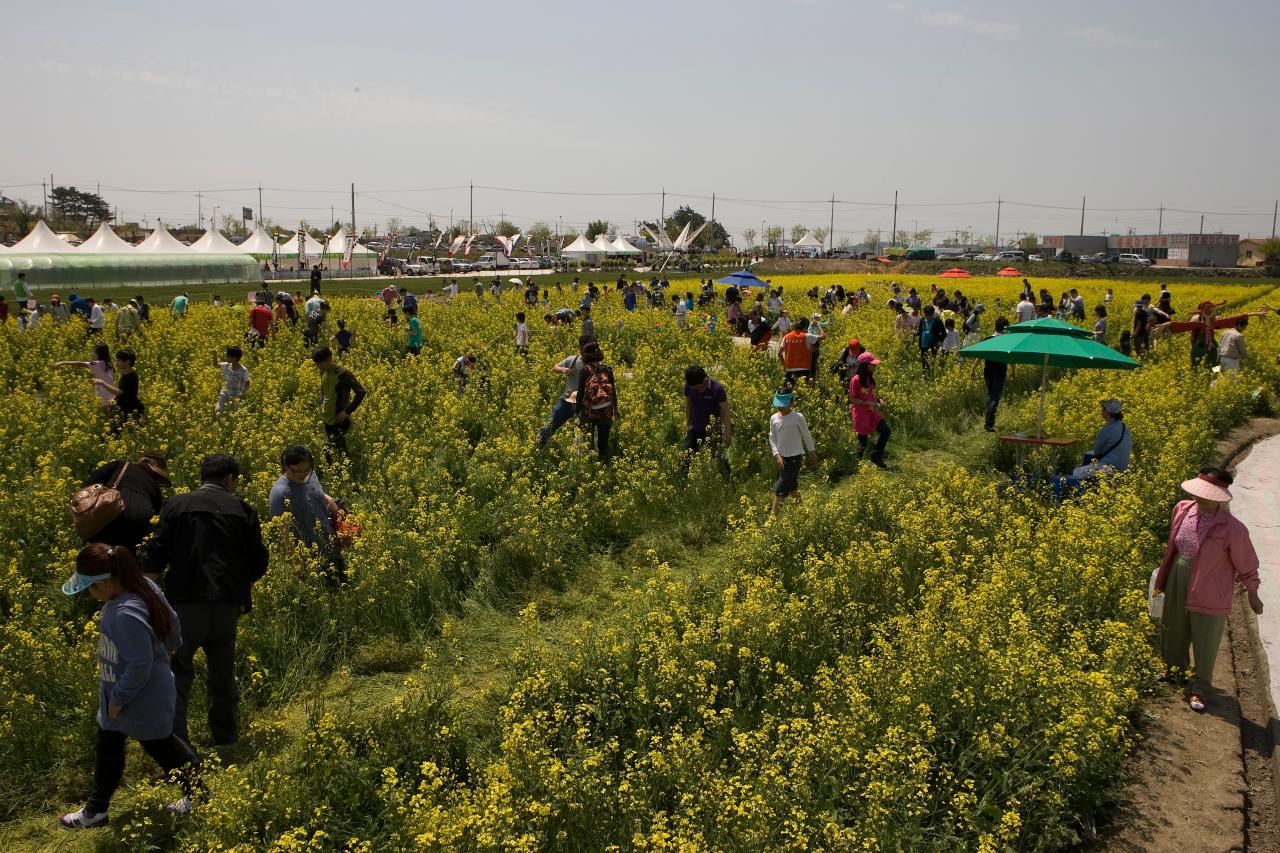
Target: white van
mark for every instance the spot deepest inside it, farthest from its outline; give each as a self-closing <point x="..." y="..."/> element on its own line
<point x="1011" y="255"/>
<point x="493" y="261"/>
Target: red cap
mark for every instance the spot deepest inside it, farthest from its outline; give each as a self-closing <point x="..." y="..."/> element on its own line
<point x="854" y="342"/>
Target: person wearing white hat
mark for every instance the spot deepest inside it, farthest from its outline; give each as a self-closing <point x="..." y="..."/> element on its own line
<point x="1208" y="550"/>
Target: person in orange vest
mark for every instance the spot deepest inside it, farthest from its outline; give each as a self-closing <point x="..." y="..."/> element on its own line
<point x="796" y="352"/>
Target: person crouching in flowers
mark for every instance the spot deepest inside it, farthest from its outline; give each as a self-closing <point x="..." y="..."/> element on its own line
<point x="789" y="441"/>
<point x="1208" y="549"/>
<point x="865" y="410"/>
<point x="136" y="693"/>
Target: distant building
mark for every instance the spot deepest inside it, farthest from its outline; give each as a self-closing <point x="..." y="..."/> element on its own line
<point x="1171" y="250"/>
<point x="1249" y="253"/>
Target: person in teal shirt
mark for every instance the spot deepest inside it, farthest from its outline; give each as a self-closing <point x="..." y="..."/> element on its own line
<point x="414" y="326"/>
<point x="179" y="306"/>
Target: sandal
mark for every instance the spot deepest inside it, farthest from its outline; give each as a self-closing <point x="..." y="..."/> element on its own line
<point x="1197" y="703"/>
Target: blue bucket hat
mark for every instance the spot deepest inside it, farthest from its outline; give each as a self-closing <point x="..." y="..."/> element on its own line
<point x="78" y="583"/>
<point x="782" y="398"/>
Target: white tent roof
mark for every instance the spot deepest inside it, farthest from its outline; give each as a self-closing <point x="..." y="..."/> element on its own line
<point x="602" y="243"/>
<point x="313" y="246"/>
<point x="809" y="240"/>
<point x="42" y="241"/>
<point x="258" y="243"/>
<point x="162" y="241"/>
<point x="337" y="245"/>
<point x="212" y="242"/>
<point x="105" y="240"/>
<point x="622" y="246"/>
<point x="579" y="247"/>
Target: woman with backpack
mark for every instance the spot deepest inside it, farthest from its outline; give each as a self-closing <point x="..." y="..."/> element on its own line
<point x="597" y="398"/>
<point x="136" y="693"/>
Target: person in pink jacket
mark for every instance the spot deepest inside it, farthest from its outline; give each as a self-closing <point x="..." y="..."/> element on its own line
<point x="1208" y="549"/>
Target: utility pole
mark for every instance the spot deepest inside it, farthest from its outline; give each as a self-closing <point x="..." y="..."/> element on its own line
<point x="260" y="216"/>
<point x="1202" y="223"/>
<point x="1274" y="211"/>
<point x="1082" y="198"/>
<point x="831" y="232"/>
<point x="999" y="204"/>
<point x="662" y="216"/>
<point x="471" y="226"/>
<point x="1160" y="223"/>
<point x="353" y="210"/>
<point x="894" y="234"/>
<point x="44" y="208"/>
<point x="199" y="207"/>
<point x="52" y="185"/>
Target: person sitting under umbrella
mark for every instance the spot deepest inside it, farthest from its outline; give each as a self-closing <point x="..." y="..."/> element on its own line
<point x="1111" y="448"/>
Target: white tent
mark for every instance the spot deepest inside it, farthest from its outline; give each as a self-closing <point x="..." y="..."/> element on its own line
<point x="105" y="240"/>
<point x="212" y="242"/>
<point x="258" y="243"/>
<point x="362" y="257"/>
<point x="578" y="249"/>
<point x="42" y="241"/>
<point x="602" y="243"/>
<point x="808" y="240"/>
<point x="315" y="249"/>
<point x="162" y="241"/>
<point x="622" y="246"/>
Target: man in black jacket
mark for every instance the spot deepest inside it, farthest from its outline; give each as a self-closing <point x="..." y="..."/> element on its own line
<point x="210" y="542"/>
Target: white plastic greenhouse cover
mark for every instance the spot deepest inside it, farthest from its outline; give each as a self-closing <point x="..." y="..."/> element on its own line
<point x="42" y="241"/>
<point x="314" y="247"/>
<point x="602" y="243"/>
<point x="162" y="241"/>
<point x="105" y="240"/>
<point x="212" y="242"/>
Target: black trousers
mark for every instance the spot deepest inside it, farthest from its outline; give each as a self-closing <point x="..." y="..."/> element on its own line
<point x="171" y="753"/>
<point x="210" y="626"/>
<point x="995" y="389"/>
<point x="598" y="432"/>
<point x="882" y="431"/>
<point x="337" y="434"/>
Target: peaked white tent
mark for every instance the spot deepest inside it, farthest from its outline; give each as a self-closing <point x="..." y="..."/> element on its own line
<point x="259" y="243"/>
<point x="315" y="249"/>
<point x="162" y="241"/>
<point x="362" y="257"/>
<point x="105" y="240"/>
<point x="602" y="243"/>
<point x="212" y="242"/>
<point x="622" y="246"/>
<point x="809" y="241"/>
<point x="42" y="241"/>
<point x="579" y="249"/>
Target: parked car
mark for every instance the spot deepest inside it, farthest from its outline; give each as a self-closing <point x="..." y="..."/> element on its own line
<point x="984" y="257"/>
<point x="1107" y="257"/>
<point x="1035" y="257"/>
<point x="460" y="265"/>
<point x="415" y="268"/>
<point x="391" y="266"/>
<point x="1010" y="255"/>
<point x="523" y="263"/>
<point x="1136" y="260"/>
<point x="1066" y="257"/>
<point x="921" y="254"/>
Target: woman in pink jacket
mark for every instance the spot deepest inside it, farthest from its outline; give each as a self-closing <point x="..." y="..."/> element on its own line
<point x="1208" y="549"/>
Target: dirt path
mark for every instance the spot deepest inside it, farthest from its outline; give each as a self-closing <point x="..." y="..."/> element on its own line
<point x="1206" y="782"/>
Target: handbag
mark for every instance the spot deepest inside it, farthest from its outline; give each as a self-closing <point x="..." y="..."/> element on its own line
<point x="1155" y="600"/>
<point x="95" y="506"/>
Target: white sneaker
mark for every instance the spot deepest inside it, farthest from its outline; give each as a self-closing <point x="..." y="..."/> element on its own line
<point x="83" y="820"/>
<point x="179" y="807"/>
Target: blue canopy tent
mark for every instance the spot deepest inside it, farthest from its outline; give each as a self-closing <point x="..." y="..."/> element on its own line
<point x="742" y="278"/>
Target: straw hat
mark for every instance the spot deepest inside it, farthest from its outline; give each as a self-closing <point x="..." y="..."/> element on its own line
<point x="1207" y="487"/>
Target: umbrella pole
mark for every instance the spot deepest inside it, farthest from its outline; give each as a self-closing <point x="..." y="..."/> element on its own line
<point x="1044" y="387"/>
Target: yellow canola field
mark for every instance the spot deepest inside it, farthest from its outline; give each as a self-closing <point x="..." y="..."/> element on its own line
<point x="919" y="659"/>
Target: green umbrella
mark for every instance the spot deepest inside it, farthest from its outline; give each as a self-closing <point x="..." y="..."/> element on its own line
<point x="1048" y="343"/>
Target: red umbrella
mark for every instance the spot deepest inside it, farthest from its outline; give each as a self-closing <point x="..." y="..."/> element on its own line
<point x="1009" y="271"/>
<point x="955" y="272"/>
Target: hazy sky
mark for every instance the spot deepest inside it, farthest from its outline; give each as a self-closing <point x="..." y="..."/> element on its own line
<point x="770" y="105"/>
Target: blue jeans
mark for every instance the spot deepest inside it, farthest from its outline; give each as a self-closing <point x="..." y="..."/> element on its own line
<point x="560" y="415"/>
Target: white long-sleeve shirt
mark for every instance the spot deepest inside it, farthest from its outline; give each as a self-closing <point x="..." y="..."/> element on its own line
<point x="789" y="434"/>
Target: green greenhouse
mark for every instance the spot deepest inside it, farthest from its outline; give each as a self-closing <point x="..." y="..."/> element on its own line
<point x="70" y="270"/>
